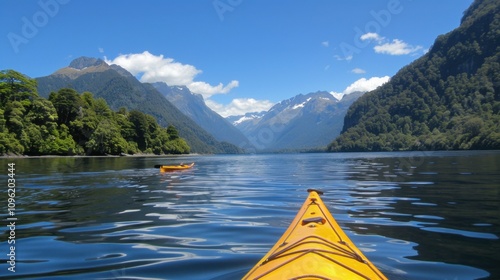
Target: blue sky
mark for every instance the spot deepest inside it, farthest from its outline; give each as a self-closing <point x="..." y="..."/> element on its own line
<point x="241" y="55"/>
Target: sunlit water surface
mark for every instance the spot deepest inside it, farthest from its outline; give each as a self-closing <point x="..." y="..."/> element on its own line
<point x="415" y="215"/>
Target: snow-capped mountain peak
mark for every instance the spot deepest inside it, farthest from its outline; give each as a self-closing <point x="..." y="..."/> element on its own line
<point x="301" y="122"/>
<point x="248" y="117"/>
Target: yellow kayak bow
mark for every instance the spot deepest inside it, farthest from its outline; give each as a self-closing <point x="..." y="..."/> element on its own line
<point x="314" y="247"/>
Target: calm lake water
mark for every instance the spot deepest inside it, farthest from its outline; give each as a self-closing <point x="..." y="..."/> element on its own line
<point x="415" y="215"/>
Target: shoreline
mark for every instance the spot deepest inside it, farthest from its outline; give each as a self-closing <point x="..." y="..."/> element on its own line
<point x="85" y="156"/>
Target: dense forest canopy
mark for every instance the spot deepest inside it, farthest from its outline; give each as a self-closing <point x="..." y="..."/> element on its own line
<point x="448" y="99"/>
<point x="70" y="123"/>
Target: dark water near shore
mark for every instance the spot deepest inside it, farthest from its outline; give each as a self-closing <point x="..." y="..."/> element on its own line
<point x="416" y="215"/>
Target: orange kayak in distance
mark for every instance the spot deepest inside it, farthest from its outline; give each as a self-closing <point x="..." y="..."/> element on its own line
<point x="167" y="168"/>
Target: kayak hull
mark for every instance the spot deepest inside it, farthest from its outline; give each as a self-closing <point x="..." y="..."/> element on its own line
<point x="167" y="168"/>
<point x="314" y="247"/>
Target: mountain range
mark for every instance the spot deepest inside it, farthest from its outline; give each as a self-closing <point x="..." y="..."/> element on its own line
<point x="303" y="122"/>
<point x="300" y="123"/>
<point x="121" y="89"/>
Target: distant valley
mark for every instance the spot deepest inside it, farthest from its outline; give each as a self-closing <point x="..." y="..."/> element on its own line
<point x="193" y="106"/>
<point x="301" y="123"/>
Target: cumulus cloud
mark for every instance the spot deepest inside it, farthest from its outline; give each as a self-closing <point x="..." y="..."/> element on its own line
<point x="208" y="90"/>
<point x="239" y="106"/>
<point x="394" y="47"/>
<point x="156" y="68"/>
<point x="325" y="44"/>
<point x="362" y="84"/>
<point x="371" y="36"/>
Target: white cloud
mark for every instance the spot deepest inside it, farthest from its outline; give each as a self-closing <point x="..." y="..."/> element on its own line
<point x="366" y="84"/>
<point x="157" y="68"/>
<point x="340" y="58"/>
<point x="337" y="95"/>
<point x="362" y="84"/>
<point x="325" y="44"/>
<point x="358" y="71"/>
<point x="372" y="36"/>
<point x="239" y="106"/>
<point x="396" y="47"/>
<point x="209" y="90"/>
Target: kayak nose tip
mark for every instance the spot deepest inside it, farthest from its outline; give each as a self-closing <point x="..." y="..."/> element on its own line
<point x="315" y="190"/>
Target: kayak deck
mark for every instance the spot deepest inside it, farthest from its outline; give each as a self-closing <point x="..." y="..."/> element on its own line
<point x="314" y="247"/>
<point x="166" y="168"/>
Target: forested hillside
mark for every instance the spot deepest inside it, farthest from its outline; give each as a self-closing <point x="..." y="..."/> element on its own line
<point x="121" y="89"/>
<point x="69" y="123"/>
<point x="447" y="99"/>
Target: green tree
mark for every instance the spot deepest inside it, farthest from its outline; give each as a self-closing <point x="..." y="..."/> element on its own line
<point x="10" y="144"/>
<point x="172" y="132"/>
<point x="140" y="129"/>
<point x="15" y="86"/>
<point x="106" y="139"/>
<point x="68" y="104"/>
<point x="3" y="122"/>
<point x="14" y="112"/>
<point x="42" y="112"/>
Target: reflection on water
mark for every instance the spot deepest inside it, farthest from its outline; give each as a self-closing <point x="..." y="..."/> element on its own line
<point x="418" y="215"/>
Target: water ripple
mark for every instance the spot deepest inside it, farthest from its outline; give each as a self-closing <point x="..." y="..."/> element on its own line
<point x="415" y="216"/>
